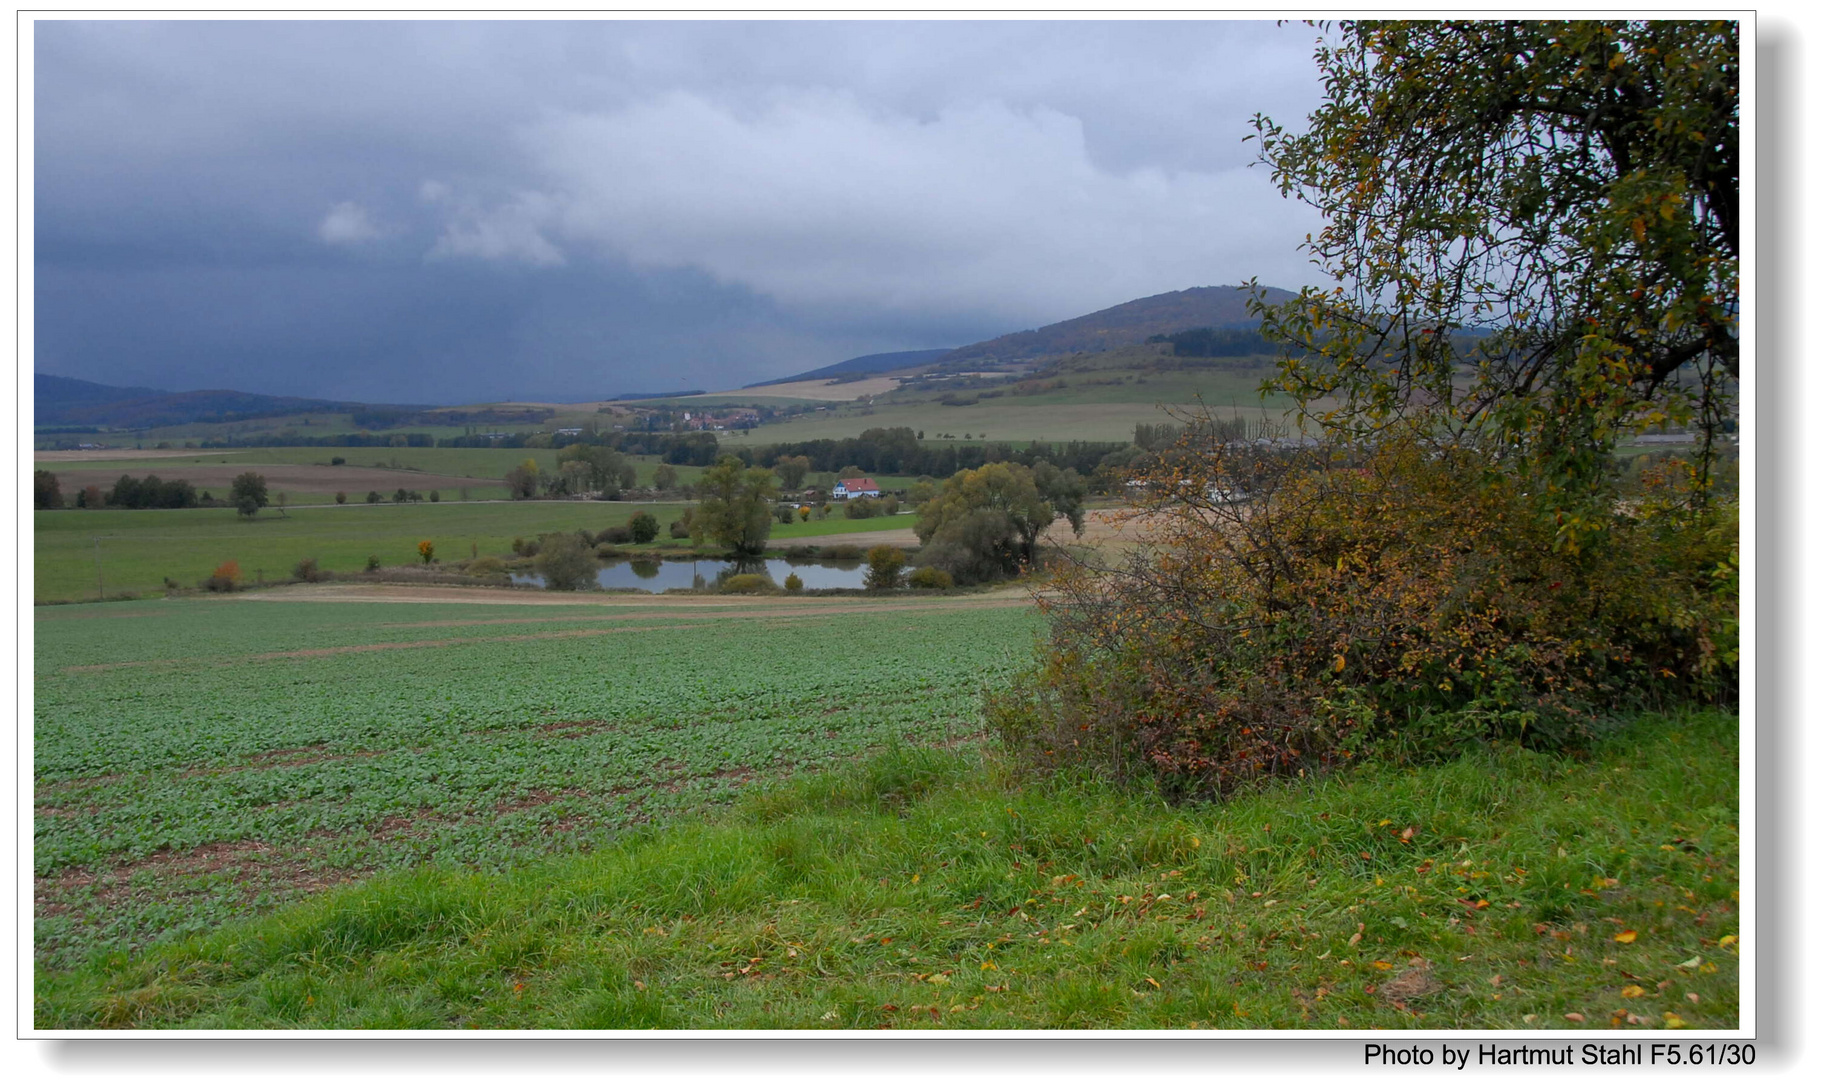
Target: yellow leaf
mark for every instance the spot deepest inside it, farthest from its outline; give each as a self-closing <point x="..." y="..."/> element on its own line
<point x="1626" y="937"/>
<point x="1382" y="965"/>
<point x="1726" y="941"/>
<point x="1339" y="664"/>
<point x="1632" y="992"/>
<point x="1155" y="983"/>
<point x="939" y="979"/>
<point x="1673" y="1020"/>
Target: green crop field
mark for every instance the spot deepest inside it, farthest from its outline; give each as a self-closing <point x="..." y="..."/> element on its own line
<point x="208" y="758"/>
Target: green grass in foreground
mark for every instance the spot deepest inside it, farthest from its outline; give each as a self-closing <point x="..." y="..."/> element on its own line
<point x="923" y="889"/>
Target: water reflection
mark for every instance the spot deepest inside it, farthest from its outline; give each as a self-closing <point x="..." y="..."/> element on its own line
<point x="651" y="576"/>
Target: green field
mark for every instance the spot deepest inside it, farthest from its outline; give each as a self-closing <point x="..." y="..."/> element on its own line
<point x="200" y="759"/>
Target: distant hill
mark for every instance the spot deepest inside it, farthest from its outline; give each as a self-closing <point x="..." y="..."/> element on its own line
<point x="1220" y="306"/>
<point x="872" y="364"/>
<point x="58" y="401"/>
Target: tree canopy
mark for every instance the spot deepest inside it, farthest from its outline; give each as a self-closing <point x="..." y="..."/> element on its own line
<point x="736" y="510"/>
<point x="1534" y="229"/>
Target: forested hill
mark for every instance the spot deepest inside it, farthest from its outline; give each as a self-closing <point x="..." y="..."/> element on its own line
<point x="1124" y="324"/>
<point x="60" y="401"/>
<point x="872" y="364"/>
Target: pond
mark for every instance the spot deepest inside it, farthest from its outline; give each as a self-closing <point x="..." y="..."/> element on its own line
<point x="656" y="576"/>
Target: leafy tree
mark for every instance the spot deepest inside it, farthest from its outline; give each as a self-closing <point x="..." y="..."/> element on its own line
<point x="736" y="506"/>
<point x="884" y="565"/>
<point x="985" y="524"/>
<point x="401" y="496"/>
<point x="644" y="527"/>
<point x="1064" y="489"/>
<point x="665" y="478"/>
<point x="522" y="479"/>
<point x="248" y="493"/>
<point x="565" y="561"/>
<point x="1535" y="231"/>
<point x="341" y="498"/>
<point x="373" y="496"/>
<point x="46" y="495"/>
<point x="426" y="550"/>
<point x="792" y="471"/>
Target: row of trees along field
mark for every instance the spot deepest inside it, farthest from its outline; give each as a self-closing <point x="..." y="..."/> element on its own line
<point x="1534" y="230"/>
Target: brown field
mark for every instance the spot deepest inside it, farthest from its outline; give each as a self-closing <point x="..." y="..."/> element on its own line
<point x="309" y="479"/>
<point x="818" y="389"/>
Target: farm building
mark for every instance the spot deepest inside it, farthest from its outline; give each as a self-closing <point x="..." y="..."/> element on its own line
<point x="859" y="487"/>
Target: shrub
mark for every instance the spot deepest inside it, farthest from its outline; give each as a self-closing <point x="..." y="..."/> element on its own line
<point x="338" y="461"/>
<point x="1400" y="602"/>
<point x="680" y="530"/>
<point x="861" y="508"/>
<point x="615" y="534"/>
<point x="800" y="551"/>
<point x="793" y="583"/>
<point x="486" y="566"/>
<point x="884" y="565"/>
<point x="929" y="577"/>
<point x="373" y="563"/>
<point x="842" y="552"/>
<point x="889" y="506"/>
<point x="644" y="527"/>
<point x="783" y="513"/>
<point x="524" y="548"/>
<point x="564" y="561"/>
<point x="745" y="583"/>
<point x="225" y="578"/>
<point x="436" y="496"/>
<point x="307" y="570"/>
<point x="341" y="497"/>
<point x="804" y="513"/>
<point x="426" y="551"/>
<point x="373" y="496"/>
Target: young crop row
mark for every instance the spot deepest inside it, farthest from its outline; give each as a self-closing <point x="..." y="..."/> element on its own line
<point x="208" y="757"/>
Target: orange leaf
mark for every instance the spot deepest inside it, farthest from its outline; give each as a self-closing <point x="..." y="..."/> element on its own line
<point x="1626" y="937"/>
<point x="1632" y="992"/>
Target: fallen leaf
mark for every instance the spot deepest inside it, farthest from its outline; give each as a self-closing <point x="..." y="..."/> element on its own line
<point x="1633" y="992"/>
<point x="1726" y="941"/>
<point x="1673" y="1020"/>
<point x="1626" y="937"/>
<point x="1692" y="998"/>
<point x="940" y="979"/>
<point x="1575" y="1018"/>
<point x="1382" y="965"/>
<point x="1155" y="982"/>
<point x="1691" y="963"/>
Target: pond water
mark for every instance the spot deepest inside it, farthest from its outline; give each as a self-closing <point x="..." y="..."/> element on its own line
<point x="656" y="576"/>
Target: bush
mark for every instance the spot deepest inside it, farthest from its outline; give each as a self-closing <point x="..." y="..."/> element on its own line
<point x="436" y="496"/>
<point x="644" y="527"/>
<point x="793" y="583"/>
<point x="842" y="552"/>
<point x="861" y="508"/>
<point x="373" y="563"/>
<point x="800" y="551"/>
<point x="338" y="461"/>
<point x="566" y="564"/>
<point x="889" y="506"/>
<point x="341" y="497"/>
<point x="426" y="551"/>
<point x="373" y="496"/>
<point x="680" y="530"/>
<point x="225" y="578"/>
<point x="745" y="583"/>
<point x="615" y="534"/>
<point x="784" y="513"/>
<point x="486" y="566"/>
<point x="929" y="577"/>
<point x="1398" y="603"/>
<point x="307" y="570"/>
<point x="884" y="565"/>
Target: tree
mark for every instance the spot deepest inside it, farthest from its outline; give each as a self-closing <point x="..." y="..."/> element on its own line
<point x="341" y="498"/>
<point x="884" y="565"/>
<point x="426" y="550"/>
<point x="46" y="495"/>
<point x="985" y="524"/>
<point x="248" y="493"/>
<point x="665" y="478"/>
<point x="565" y="561"/>
<point x="736" y="506"/>
<point x="522" y="479"/>
<point x="791" y="471"/>
<point x="644" y="527"/>
<point x="1535" y="231"/>
<point x="373" y="496"/>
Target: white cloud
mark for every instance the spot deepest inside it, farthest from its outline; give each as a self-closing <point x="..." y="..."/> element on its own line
<point x="812" y="198"/>
<point x="348" y="224"/>
<point x="511" y="232"/>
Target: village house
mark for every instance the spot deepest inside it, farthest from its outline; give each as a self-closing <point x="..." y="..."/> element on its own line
<point x="859" y="487"/>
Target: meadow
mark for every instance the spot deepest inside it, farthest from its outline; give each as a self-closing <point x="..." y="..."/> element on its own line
<point x="138" y="549"/>
<point x="202" y="759"/>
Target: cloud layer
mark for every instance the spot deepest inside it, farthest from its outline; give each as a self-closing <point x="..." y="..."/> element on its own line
<point x="610" y="206"/>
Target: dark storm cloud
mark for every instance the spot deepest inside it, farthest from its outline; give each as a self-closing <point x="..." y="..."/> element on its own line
<point x="454" y="211"/>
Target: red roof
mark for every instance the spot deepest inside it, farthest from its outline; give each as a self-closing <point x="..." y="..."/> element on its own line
<point x="860" y="483"/>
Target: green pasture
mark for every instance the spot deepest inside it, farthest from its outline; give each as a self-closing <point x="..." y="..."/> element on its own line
<point x="1001" y="419"/>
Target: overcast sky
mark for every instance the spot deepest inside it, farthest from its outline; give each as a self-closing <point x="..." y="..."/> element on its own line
<point x="440" y="212"/>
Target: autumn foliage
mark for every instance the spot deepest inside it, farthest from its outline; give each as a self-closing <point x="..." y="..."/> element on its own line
<point x="1299" y="608"/>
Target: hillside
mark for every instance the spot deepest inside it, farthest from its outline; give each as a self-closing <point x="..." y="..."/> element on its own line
<point x="62" y="401"/>
<point x="872" y="364"/>
<point x="1124" y="324"/>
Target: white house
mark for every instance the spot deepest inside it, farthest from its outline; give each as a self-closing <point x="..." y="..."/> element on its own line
<point x="859" y="487"/>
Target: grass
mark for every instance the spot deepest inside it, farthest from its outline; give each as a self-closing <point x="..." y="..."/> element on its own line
<point x="927" y="889"/>
<point x="197" y="759"/>
<point x="139" y="549"/>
